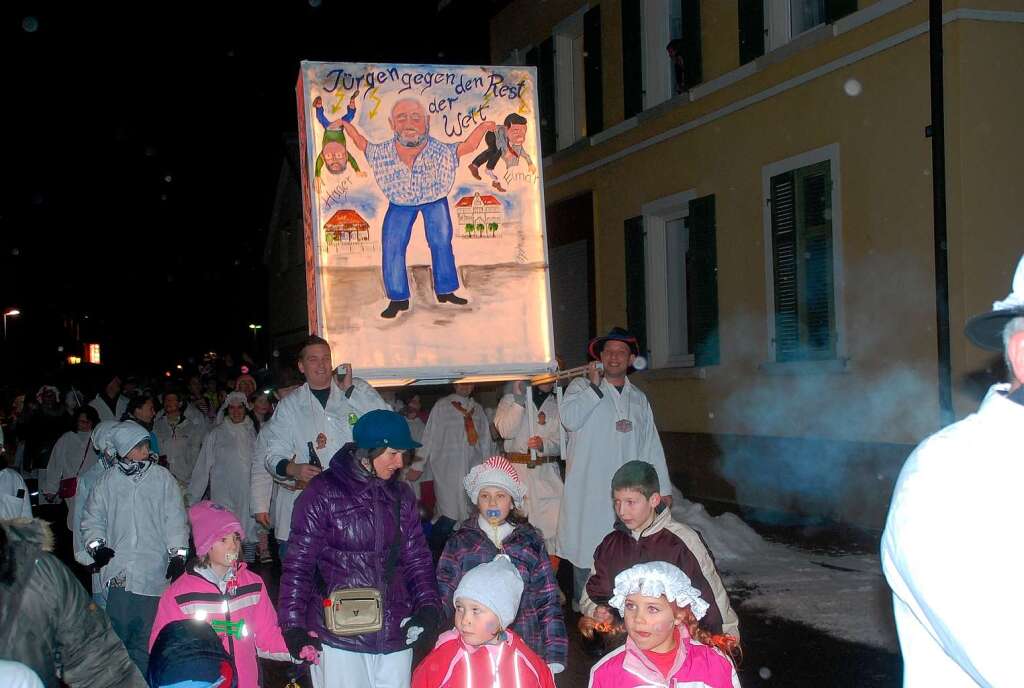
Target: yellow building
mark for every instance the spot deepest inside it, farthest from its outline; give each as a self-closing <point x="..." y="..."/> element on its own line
<point x="760" y="212"/>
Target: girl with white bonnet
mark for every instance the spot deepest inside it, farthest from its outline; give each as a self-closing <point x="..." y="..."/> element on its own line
<point x="665" y="645"/>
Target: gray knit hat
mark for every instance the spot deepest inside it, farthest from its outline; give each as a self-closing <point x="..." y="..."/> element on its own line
<point x="497" y="585"/>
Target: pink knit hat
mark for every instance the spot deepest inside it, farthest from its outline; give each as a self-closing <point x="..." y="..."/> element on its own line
<point x="211" y="522"/>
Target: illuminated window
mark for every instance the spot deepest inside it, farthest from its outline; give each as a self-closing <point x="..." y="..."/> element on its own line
<point x="92" y="353"/>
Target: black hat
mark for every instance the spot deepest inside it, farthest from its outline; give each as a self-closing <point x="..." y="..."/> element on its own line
<point x="616" y="334"/>
<point x="986" y="330"/>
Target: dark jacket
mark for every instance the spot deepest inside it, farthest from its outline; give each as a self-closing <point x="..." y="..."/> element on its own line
<point x="539" y="622"/>
<point x="664" y="540"/>
<point x="47" y="620"/>
<point x="342" y="530"/>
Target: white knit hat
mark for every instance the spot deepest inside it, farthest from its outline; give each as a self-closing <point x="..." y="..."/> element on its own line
<point x="658" y="579"/>
<point x="497" y="585"/>
<point x="495" y="472"/>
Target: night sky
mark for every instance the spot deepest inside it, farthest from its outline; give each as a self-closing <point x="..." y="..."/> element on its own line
<point x="127" y="128"/>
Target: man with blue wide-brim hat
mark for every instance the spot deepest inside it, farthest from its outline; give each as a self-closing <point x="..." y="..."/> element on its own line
<point x="950" y="540"/>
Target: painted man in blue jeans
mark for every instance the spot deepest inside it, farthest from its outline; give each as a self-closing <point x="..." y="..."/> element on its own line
<point x="416" y="172"/>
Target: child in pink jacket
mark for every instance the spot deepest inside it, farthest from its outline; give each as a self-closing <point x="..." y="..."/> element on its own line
<point x="219" y="590"/>
<point x="665" y="647"/>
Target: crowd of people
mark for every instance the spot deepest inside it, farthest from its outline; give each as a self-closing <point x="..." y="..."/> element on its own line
<point x="420" y="548"/>
<point x="392" y="525"/>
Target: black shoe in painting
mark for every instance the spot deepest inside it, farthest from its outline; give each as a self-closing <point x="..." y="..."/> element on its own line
<point x="394" y="308"/>
<point x="451" y="298"/>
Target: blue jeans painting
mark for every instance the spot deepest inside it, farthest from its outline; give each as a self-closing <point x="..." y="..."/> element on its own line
<point x="437" y="221"/>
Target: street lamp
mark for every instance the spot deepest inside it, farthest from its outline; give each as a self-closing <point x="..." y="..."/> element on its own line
<point x="255" y="328"/>
<point x="9" y="313"/>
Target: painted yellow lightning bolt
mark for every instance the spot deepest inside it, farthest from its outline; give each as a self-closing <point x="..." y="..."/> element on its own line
<point x="376" y="102"/>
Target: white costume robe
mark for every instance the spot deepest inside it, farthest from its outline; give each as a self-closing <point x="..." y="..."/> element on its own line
<point x="224" y="466"/>
<point x="180" y="443"/>
<point x="72" y="455"/>
<point x="544" y="489"/>
<point x="416" y="428"/>
<point x="595" y="449"/>
<point x="11" y="505"/>
<point x="950" y="550"/>
<point x="449" y="454"/>
<point x="104" y="411"/>
<point x="300" y="419"/>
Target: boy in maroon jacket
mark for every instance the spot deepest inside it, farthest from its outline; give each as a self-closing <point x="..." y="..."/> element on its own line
<point x="645" y="531"/>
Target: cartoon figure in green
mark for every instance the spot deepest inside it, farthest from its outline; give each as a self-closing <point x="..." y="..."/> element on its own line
<point x="334" y="153"/>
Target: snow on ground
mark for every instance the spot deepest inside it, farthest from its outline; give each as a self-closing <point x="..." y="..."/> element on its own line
<point x="843" y="595"/>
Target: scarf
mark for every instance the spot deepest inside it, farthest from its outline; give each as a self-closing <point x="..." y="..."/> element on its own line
<point x="467" y="421"/>
<point x="133" y="469"/>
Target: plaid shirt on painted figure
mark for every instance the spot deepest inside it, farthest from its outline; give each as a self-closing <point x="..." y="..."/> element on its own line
<point x="540" y="622"/>
<point x="429" y="179"/>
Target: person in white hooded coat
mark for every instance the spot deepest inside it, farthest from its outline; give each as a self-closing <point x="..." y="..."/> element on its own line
<point x="609" y="422"/>
<point x="949" y="549"/>
<point x="224" y="466"/>
<point x="317" y="418"/>
<point x="135" y="529"/>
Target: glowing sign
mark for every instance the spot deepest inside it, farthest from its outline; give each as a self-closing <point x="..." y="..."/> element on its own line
<point x="74" y="360"/>
<point x="424" y="219"/>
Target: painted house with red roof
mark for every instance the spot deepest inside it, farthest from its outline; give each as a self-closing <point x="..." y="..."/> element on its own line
<point x="347" y="225"/>
<point x="480" y="211"/>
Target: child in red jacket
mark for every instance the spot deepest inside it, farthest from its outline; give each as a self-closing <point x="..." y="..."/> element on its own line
<point x="480" y="652"/>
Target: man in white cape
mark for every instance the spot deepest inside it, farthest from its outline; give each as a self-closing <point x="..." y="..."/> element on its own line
<point x="609" y="422"/>
<point x="313" y="421"/>
<point x="950" y="549"/>
<point x="457" y="438"/>
<point x="544" y="488"/>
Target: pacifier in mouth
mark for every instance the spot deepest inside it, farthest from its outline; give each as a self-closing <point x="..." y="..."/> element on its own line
<point x="230" y="557"/>
<point x="492" y="515"/>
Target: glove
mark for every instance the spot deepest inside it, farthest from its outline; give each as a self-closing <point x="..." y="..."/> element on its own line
<point x="297" y="639"/>
<point x="175" y="567"/>
<point x="422" y="627"/>
<point x="102" y="557"/>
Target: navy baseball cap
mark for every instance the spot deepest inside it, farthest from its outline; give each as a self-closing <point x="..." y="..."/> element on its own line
<point x="381" y="428"/>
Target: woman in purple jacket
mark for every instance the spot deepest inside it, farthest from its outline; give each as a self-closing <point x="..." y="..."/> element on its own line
<point x="356" y="526"/>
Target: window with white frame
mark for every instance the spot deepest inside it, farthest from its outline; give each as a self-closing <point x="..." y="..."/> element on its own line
<point x="680" y="293"/>
<point x="787" y="19"/>
<point x="570" y="88"/>
<point x="802" y="226"/>
<point x="651" y="74"/>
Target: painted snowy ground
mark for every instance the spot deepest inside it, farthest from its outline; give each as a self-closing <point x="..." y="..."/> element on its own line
<point x="843" y="595"/>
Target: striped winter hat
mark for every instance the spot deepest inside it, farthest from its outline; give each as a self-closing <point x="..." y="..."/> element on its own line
<point x="495" y="472"/>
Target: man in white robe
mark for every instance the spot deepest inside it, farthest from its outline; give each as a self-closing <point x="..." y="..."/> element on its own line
<point x="544" y="487"/>
<point x="457" y="438"/>
<point x="950" y="551"/>
<point x="609" y="422"/>
<point x="315" y="420"/>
